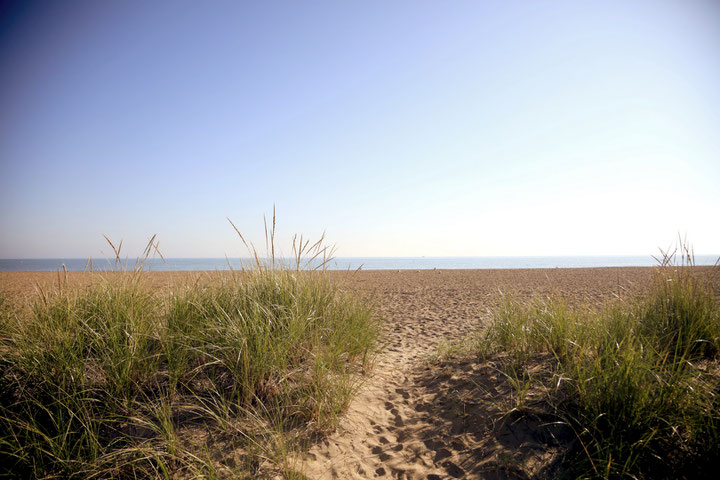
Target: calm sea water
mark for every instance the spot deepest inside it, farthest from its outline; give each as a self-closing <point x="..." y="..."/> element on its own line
<point x="352" y="263"/>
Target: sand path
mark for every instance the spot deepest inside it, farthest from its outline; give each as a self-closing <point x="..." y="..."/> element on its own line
<point x="387" y="432"/>
<point x="413" y="419"/>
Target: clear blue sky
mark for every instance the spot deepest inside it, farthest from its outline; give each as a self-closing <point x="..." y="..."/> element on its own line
<point x="401" y="128"/>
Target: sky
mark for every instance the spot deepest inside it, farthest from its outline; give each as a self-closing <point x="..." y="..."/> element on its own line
<point x="415" y="128"/>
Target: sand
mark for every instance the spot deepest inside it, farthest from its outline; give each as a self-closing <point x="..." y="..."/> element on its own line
<point x="413" y="418"/>
<point x="419" y="419"/>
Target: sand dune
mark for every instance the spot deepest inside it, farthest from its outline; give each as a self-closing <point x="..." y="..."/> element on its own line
<point x="418" y="419"/>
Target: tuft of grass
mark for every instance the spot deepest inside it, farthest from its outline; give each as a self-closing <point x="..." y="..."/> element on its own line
<point x="224" y="378"/>
<point x="267" y="332"/>
<point x="638" y="381"/>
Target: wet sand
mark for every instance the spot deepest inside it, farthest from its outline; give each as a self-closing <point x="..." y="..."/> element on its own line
<point x="414" y="419"/>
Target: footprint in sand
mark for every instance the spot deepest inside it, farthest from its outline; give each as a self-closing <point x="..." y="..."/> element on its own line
<point x="442" y="454"/>
<point x="402" y="392"/>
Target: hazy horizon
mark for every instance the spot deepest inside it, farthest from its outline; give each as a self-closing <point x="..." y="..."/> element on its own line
<point x="401" y="129"/>
<point x="345" y="263"/>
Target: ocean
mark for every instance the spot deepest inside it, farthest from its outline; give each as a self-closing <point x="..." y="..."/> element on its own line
<point x="349" y="263"/>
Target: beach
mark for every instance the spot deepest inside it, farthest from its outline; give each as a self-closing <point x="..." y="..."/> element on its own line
<point x="416" y="416"/>
<point x="448" y="292"/>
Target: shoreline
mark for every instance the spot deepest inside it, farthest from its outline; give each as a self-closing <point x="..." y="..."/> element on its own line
<point x="346" y="263"/>
<point x="332" y="271"/>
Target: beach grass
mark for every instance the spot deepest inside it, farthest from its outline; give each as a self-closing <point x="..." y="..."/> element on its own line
<point x="637" y="381"/>
<point x="227" y="378"/>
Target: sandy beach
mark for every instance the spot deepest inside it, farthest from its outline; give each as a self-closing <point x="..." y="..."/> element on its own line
<point x="416" y="419"/>
<point x="413" y="418"/>
<point x="447" y="292"/>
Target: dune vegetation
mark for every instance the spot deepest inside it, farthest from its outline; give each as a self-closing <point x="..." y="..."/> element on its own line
<point x="238" y="375"/>
<point x="224" y="379"/>
<point x="637" y="380"/>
